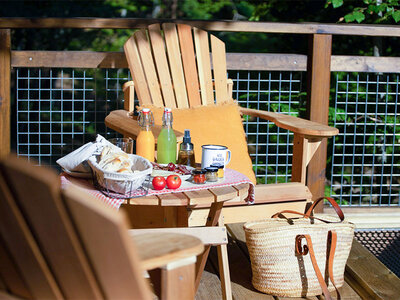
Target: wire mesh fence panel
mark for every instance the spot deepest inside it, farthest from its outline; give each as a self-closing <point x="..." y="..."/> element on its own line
<point x="270" y="147"/>
<point x="365" y="155"/>
<point x="58" y="110"/>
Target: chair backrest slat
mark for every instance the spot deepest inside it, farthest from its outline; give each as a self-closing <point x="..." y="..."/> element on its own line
<point x="37" y="192"/>
<point x="175" y="64"/>
<point x="135" y="65"/>
<point x="189" y="64"/>
<point x="219" y="66"/>
<point x="23" y="248"/>
<point x="10" y="276"/>
<point x="104" y="234"/>
<point x="204" y="65"/>
<point x="160" y="57"/>
<point x="148" y="67"/>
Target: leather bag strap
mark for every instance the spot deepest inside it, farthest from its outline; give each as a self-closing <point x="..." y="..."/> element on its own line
<point x="335" y="206"/>
<point x="332" y="240"/>
<point x="281" y="215"/>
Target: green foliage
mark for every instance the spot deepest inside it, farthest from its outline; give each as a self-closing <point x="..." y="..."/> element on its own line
<point x="369" y="11"/>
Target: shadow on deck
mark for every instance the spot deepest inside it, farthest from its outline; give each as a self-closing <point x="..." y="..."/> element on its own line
<point x="366" y="277"/>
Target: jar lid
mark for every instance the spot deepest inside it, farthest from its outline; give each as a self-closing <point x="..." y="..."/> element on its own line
<point x="199" y="171"/>
<point x="211" y="169"/>
<point x="219" y="166"/>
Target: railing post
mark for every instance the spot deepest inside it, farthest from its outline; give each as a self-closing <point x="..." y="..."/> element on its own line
<point x="318" y="74"/>
<point x="5" y="74"/>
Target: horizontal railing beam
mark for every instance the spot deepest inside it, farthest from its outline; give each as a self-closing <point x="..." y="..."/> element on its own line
<point x="235" y="61"/>
<point x="238" y="26"/>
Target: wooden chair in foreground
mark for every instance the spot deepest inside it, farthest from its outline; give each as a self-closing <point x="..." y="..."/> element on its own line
<point x="57" y="244"/>
<point x="171" y="66"/>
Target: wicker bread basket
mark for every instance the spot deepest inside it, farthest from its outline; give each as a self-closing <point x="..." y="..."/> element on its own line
<point x="279" y="270"/>
<point x="126" y="182"/>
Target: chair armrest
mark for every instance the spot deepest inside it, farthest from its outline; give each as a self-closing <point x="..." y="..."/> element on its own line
<point x="122" y="122"/>
<point x="294" y="124"/>
<point x="160" y="249"/>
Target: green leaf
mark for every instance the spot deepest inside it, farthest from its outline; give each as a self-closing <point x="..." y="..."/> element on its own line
<point x="349" y="18"/>
<point x="337" y="3"/>
<point x="359" y="16"/>
<point x="396" y="16"/>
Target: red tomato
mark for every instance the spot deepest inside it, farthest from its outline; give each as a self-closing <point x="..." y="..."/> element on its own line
<point x="173" y="182"/>
<point x="159" y="182"/>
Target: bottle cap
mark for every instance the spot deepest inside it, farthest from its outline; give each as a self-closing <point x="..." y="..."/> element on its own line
<point x="186" y="136"/>
<point x="145" y="110"/>
<point x="167" y="110"/>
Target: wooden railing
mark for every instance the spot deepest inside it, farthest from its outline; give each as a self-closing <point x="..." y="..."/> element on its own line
<point x="318" y="63"/>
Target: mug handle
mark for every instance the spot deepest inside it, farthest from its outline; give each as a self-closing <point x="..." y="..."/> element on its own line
<point x="229" y="156"/>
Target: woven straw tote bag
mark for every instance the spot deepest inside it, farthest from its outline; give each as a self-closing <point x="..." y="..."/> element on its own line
<point x="299" y="257"/>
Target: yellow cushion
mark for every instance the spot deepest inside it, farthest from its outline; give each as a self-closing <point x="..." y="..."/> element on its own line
<point x="214" y="124"/>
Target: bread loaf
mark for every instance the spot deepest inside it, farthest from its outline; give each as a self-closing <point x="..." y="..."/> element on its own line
<point x="112" y="161"/>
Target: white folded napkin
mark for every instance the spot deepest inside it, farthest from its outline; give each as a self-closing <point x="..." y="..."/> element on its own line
<point x="76" y="161"/>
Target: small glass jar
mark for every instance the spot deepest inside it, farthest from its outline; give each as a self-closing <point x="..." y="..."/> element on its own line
<point x="211" y="174"/>
<point x="199" y="176"/>
<point x="220" y="170"/>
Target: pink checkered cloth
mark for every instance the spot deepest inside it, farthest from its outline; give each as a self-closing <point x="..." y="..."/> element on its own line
<point x="232" y="177"/>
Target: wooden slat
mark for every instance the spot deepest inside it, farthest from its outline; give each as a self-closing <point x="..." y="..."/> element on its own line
<point x="189" y="64"/>
<point x="175" y="63"/>
<point x="5" y="81"/>
<point x="318" y="90"/>
<point x="160" y="57"/>
<point x="148" y="200"/>
<point x="219" y="66"/>
<point x="173" y="199"/>
<point x="234" y="61"/>
<point x="204" y="65"/>
<point x="235" y="26"/>
<point x="112" y="253"/>
<point x="10" y="276"/>
<point x="157" y="249"/>
<point x="129" y="96"/>
<point x="136" y="68"/>
<point x="148" y="67"/>
<point x="299" y="167"/>
<point x="23" y="248"/>
<point x="281" y="192"/>
<point x="294" y="124"/>
<point x="368" y="276"/>
<point x="200" y="197"/>
<point x="224" y="193"/>
<point x="42" y="188"/>
<point x="213" y="235"/>
<point x="243" y="190"/>
<point x="235" y="214"/>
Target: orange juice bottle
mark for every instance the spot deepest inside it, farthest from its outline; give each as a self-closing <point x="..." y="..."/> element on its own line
<point x="145" y="144"/>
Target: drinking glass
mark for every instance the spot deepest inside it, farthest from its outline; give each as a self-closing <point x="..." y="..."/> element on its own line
<point x="126" y="144"/>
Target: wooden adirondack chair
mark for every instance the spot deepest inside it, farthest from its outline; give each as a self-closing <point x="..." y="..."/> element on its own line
<point x="65" y="244"/>
<point x="171" y="66"/>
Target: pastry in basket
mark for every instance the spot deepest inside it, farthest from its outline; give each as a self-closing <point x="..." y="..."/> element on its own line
<point x="113" y="161"/>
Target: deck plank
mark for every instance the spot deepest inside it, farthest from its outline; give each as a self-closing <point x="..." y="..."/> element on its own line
<point x="210" y="285"/>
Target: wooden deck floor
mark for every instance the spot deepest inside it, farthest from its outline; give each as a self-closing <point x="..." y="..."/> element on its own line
<point x="240" y="271"/>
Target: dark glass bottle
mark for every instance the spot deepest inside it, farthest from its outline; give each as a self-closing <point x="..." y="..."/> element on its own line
<point x="186" y="151"/>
